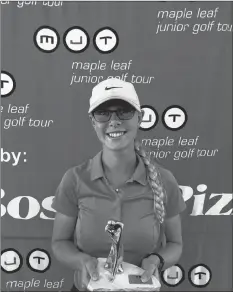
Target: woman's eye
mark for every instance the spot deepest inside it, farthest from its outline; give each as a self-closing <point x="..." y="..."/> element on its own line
<point x="124" y="111"/>
<point x="102" y="113"/>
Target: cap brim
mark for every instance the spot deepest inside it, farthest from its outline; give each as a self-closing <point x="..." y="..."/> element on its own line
<point x="111" y="98"/>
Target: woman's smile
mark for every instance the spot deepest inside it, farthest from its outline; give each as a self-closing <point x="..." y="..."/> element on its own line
<point x="115" y="135"/>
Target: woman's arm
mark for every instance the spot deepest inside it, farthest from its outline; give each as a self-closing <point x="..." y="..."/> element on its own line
<point x="171" y="253"/>
<point x="62" y="242"/>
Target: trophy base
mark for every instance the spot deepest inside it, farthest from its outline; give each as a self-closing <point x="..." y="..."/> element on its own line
<point x="122" y="282"/>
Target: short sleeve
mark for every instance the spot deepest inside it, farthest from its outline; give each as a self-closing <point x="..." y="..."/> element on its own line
<point x="66" y="199"/>
<point x="175" y="203"/>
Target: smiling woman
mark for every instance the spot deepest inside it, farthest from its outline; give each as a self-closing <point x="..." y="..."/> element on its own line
<point x="111" y="136"/>
<point x="121" y="183"/>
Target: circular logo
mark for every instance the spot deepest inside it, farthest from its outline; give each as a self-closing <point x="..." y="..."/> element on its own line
<point x="76" y="39"/>
<point x="46" y="39"/>
<point x="150" y="118"/>
<point x="11" y="260"/>
<point x="200" y="275"/>
<point x="174" y="117"/>
<point x="38" y="260"/>
<point x="8" y="84"/>
<point x="173" y="276"/>
<point x="105" y="40"/>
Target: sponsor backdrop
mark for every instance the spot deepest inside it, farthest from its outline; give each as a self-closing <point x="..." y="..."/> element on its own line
<point x="179" y="57"/>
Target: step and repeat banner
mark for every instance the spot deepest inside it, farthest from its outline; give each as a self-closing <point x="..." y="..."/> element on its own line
<point x="178" y="55"/>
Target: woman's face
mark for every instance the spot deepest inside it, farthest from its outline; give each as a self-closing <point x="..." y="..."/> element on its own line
<point x="116" y="134"/>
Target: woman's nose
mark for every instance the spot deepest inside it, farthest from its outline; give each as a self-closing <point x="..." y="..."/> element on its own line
<point x="114" y="120"/>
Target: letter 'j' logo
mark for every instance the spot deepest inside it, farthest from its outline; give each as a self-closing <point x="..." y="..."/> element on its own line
<point x="11" y="260"/>
<point x="150" y="118"/>
<point x="76" y="39"/>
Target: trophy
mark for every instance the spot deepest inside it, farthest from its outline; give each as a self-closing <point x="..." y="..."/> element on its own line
<point x="116" y="275"/>
<point x="112" y="264"/>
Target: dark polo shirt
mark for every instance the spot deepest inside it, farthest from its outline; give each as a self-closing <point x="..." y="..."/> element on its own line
<point x="85" y="193"/>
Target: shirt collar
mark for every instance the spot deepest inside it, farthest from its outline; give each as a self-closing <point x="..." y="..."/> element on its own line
<point x="97" y="169"/>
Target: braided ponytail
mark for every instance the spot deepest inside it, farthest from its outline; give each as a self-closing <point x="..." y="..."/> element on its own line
<point x="155" y="182"/>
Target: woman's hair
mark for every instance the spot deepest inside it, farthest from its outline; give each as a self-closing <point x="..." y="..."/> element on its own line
<point x="154" y="179"/>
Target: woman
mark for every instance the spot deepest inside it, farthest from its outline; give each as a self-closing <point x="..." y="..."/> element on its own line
<point x="120" y="183"/>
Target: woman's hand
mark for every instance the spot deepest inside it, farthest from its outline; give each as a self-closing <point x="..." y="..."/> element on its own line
<point x="87" y="270"/>
<point x="150" y="265"/>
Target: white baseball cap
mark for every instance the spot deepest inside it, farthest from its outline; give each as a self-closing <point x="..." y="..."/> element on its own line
<point x="114" y="88"/>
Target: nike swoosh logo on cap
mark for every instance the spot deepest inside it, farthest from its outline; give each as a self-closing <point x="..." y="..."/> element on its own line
<point x="108" y="88"/>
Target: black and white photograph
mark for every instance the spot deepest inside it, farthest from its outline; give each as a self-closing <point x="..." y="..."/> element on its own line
<point x="116" y="146"/>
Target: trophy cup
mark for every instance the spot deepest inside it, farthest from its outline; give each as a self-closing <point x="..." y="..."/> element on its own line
<point x="116" y="275"/>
